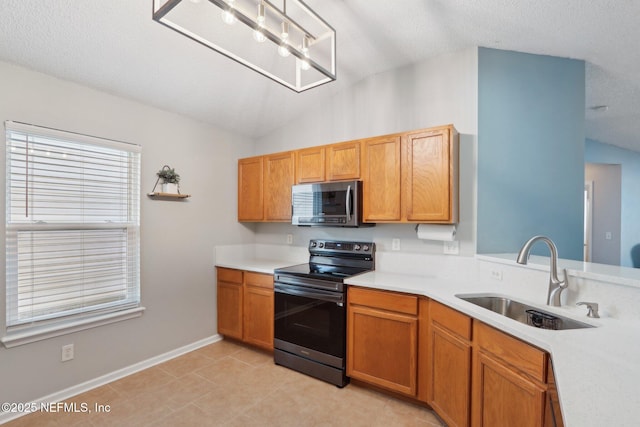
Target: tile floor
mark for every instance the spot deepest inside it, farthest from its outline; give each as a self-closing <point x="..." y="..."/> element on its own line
<point x="228" y="384"/>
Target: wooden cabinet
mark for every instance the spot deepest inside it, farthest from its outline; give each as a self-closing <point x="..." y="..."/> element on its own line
<point x="430" y="169"/>
<point x="279" y="176"/>
<point x="381" y="179"/>
<point x="449" y="364"/>
<point x="245" y="306"/>
<point x="509" y="380"/>
<point x="343" y="161"/>
<point x="258" y="309"/>
<point x="250" y="189"/>
<point x="407" y="177"/>
<point x="264" y="187"/>
<point x="310" y="165"/>
<point x="382" y="339"/>
<point x="411" y="176"/>
<point x="230" y="296"/>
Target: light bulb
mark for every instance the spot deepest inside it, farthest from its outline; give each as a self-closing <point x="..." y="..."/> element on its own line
<point x="259" y="36"/>
<point x="283" y="50"/>
<point x="228" y="17"/>
<point x="304" y="64"/>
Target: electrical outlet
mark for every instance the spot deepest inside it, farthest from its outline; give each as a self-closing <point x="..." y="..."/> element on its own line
<point x="395" y="244"/>
<point x="451" y="248"/>
<point x="496" y="274"/>
<point x="67" y="353"/>
<point x="289" y="239"/>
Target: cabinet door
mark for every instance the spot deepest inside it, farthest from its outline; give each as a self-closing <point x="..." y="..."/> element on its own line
<point x="502" y="397"/>
<point x="381" y="179"/>
<point x="279" y="175"/>
<point x="382" y="348"/>
<point x="310" y="165"/>
<point x="230" y="302"/>
<point x="258" y="309"/>
<point x="343" y="161"/>
<point x="431" y="176"/>
<point x="450" y="369"/>
<point x="250" y="187"/>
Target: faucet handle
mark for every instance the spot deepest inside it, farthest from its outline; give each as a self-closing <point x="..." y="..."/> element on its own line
<point x="592" y="308"/>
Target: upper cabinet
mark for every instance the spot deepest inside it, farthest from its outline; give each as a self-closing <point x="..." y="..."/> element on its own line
<point x="407" y="177"/>
<point x="411" y="177"/>
<point x="250" y="189"/>
<point x="343" y="161"/>
<point x="310" y="165"/>
<point x="431" y="175"/>
<point x="279" y="175"/>
<point x="381" y="179"/>
<point x="264" y="187"/>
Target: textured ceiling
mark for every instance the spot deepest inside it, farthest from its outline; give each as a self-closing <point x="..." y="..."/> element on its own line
<point x="115" y="46"/>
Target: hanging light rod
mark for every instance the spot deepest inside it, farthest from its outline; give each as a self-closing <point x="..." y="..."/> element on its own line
<point x="305" y="42"/>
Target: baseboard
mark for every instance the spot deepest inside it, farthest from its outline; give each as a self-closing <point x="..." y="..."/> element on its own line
<point x="112" y="376"/>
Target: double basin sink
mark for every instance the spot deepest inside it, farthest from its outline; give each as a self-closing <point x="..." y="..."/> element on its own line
<point x="523" y="313"/>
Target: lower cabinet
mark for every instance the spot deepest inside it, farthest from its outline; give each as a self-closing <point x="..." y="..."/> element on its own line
<point x="382" y="339"/>
<point x="258" y="310"/>
<point x="230" y="296"/>
<point x="449" y="364"/>
<point x="509" y="380"/>
<point x="245" y="306"/>
<point x="469" y="373"/>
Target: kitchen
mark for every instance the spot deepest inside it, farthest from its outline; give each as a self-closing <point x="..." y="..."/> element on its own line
<point x="178" y="239"/>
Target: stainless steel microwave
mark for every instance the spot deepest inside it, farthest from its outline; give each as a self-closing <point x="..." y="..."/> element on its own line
<point x="327" y="204"/>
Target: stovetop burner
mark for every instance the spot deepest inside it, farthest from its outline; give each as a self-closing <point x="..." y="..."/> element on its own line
<point x="334" y="260"/>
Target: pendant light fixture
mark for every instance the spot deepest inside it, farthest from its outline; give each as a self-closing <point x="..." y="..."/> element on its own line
<point x="282" y="39"/>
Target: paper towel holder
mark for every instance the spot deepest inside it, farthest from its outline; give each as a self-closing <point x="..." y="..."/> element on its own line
<point x="438" y="232"/>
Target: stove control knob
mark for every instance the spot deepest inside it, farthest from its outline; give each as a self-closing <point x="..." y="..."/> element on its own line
<point x="365" y="248"/>
<point x="313" y="244"/>
<point x="321" y="245"/>
<point x="356" y="247"/>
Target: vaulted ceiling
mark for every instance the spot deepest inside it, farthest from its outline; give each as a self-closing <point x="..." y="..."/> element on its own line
<point x="115" y="46"/>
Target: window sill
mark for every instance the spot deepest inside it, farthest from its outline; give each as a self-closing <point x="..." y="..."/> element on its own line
<point x="17" y="338"/>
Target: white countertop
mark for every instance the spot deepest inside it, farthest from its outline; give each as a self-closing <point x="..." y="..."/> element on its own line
<point x="597" y="370"/>
<point x="266" y="266"/>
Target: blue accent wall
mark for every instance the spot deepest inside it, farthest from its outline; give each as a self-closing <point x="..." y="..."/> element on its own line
<point x="531" y="136"/>
<point x="597" y="152"/>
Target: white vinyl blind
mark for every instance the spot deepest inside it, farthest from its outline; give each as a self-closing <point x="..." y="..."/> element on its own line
<point x="72" y="225"/>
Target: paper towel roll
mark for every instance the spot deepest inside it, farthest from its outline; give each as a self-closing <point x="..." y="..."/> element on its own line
<point x="444" y="232"/>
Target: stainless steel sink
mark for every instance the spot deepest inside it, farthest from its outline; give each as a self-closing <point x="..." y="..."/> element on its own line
<point x="524" y="313"/>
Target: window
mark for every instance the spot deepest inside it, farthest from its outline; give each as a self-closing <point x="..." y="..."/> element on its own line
<point x="72" y="226"/>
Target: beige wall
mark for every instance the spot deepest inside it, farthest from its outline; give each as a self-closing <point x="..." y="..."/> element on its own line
<point x="178" y="238"/>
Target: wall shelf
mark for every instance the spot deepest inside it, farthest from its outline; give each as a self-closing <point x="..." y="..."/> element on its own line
<point x="168" y="196"/>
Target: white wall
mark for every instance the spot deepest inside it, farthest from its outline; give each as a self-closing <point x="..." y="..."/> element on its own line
<point x="178" y="238"/>
<point x="439" y="91"/>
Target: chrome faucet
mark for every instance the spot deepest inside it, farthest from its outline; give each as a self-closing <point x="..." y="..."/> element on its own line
<point x="556" y="286"/>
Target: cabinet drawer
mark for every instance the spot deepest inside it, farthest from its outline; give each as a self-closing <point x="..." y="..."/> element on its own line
<point x="450" y="319"/>
<point x="229" y="275"/>
<point x="259" y="280"/>
<point x="391" y="301"/>
<point x="524" y="357"/>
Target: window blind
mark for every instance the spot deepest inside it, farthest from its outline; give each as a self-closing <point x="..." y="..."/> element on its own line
<point x="72" y="225"/>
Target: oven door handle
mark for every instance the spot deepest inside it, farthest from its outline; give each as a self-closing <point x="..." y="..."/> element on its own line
<point x="307" y="293"/>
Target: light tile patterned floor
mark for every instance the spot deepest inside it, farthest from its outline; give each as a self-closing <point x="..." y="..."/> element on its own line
<point x="228" y="384"/>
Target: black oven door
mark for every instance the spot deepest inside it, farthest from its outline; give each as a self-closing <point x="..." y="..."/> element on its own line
<point x="310" y="318"/>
